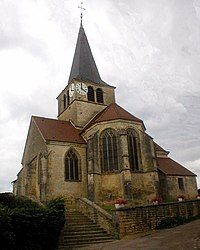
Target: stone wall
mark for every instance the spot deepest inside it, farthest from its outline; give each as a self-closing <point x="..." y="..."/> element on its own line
<point x="141" y="185"/>
<point x="190" y="187"/>
<point x="141" y="219"/>
<point x="56" y="183"/>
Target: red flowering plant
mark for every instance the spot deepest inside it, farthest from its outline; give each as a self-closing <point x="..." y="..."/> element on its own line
<point x="198" y="196"/>
<point x="120" y="201"/>
<point x="157" y="200"/>
<point x="180" y="197"/>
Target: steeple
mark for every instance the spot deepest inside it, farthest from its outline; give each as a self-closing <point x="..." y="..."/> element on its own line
<point x="84" y="66"/>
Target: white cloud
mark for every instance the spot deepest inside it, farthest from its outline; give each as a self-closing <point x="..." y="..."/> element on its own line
<point x="150" y="50"/>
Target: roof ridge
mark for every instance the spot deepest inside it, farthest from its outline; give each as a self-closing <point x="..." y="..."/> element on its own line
<point x="47" y="118"/>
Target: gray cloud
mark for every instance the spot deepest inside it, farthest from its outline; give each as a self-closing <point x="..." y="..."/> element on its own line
<point x="150" y="50"/>
<point x="13" y="30"/>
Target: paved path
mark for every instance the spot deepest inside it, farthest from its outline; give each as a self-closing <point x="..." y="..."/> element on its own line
<point x="182" y="237"/>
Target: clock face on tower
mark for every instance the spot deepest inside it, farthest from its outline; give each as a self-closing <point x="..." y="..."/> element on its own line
<point x="71" y="89"/>
<point x="81" y="88"/>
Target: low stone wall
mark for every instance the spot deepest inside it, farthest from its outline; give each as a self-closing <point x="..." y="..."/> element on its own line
<point x="98" y="215"/>
<point x="141" y="219"/>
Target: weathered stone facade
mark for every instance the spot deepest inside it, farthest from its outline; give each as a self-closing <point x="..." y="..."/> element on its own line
<point x="96" y="149"/>
<point x="169" y="188"/>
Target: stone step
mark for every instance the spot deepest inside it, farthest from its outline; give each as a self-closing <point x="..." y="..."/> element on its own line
<point x="75" y="215"/>
<point x="78" y="228"/>
<point x="73" y="212"/>
<point x="85" y="240"/>
<point x="97" y="231"/>
<point x="71" y="224"/>
<point x="77" y="246"/>
<point x="85" y="235"/>
<point x="77" y="219"/>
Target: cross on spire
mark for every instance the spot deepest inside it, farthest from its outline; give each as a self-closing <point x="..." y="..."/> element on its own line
<point x="82" y="8"/>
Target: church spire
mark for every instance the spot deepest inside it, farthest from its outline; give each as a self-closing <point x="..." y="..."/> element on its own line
<point x="84" y="66"/>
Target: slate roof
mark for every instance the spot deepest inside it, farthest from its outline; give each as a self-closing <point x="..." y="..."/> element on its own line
<point x="171" y="167"/>
<point x="113" y="112"/>
<point x="84" y="66"/>
<point x="57" y="130"/>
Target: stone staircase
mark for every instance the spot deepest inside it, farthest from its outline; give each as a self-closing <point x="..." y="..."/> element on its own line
<point x="80" y="231"/>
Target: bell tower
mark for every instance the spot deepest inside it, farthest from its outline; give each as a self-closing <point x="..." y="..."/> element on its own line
<point x="86" y="94"/>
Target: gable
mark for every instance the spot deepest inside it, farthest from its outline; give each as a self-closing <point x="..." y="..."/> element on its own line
<point x="35" y="143"/>
<point x="113" y="112"/>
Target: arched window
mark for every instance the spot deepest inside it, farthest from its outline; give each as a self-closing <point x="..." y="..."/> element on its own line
<point x="132" y="151"/>
<point x="71" y="166"/>
<point x="99" y="95"/>
<point x="39" y="169"/>
<point x="109" y="151"/>
<point x="90" y="94"/>
<point x="64" y="101"/>
<point x="68" y="100"/>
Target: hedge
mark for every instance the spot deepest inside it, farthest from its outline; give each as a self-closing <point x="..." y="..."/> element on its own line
<point x="26" y="225"/>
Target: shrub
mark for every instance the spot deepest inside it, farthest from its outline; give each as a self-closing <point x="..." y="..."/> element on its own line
<point x="26" y="225"/>
<point x="170" y="222"/>
<point x="7" y="236"/>
<point x="11" y="201"/>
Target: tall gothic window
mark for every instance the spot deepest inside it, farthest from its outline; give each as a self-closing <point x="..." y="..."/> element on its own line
<point x="109" y="151"/>
<point x="99" y="95"/>
<point x="132" y="151"/>
<point x="64" y="101"/>
<point x="90" y="94"/>
<point x="68" y="98"/>
<point x="71" y="166"/>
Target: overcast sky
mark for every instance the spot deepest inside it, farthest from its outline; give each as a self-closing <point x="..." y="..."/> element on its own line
<point x="149" y="50"/>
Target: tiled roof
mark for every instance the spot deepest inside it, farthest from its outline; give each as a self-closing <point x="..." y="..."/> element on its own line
<point x="57" y="130"/>
<point x="171" y="167"/>
<point x="113" y="112"/>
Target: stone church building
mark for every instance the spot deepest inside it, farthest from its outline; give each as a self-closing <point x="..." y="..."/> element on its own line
<point x="95" y="148"/>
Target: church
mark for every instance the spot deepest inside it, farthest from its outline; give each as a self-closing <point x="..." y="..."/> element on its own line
<point x="95" y="148"/>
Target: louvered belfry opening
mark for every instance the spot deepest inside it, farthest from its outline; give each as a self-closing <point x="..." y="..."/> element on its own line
<point x="99" y="95"/>
<point x="90" y="94"/>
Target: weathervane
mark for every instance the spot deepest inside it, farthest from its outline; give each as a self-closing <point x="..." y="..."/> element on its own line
<point x="81" y="7"/>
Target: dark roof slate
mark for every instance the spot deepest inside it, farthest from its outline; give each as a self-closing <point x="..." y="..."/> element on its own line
<point x="170" y="167"/>
<point x="84" y="66"/>
<point x="57" y="130"/>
